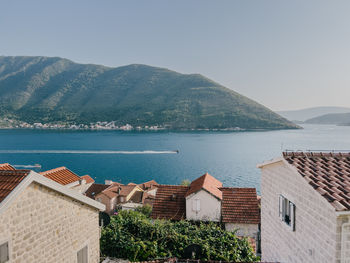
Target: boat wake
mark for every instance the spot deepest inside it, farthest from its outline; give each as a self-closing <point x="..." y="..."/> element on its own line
<point x="84" y="152"/>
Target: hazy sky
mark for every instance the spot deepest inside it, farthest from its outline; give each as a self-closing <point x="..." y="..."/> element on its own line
<point x="283" y="54"/>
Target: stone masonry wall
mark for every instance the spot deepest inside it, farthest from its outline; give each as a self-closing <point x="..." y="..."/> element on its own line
<point x="43" y="225"/>
<point x="314" y="239"/>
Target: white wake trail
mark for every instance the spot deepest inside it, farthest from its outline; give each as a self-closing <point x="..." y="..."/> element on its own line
<point x="86" y="152"/>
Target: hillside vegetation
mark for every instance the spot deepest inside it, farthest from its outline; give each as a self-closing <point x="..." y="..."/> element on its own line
<point x="49" y="89"/>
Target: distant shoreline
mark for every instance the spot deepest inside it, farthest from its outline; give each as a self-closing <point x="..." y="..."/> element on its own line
<point x="153" y="130"/>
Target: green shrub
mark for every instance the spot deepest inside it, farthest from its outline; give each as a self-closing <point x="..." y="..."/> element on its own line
<point x="132" y="235"/>
<point x="145" y="209"/>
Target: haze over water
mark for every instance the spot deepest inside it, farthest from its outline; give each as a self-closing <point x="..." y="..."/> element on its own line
<point x="230" y="156"/>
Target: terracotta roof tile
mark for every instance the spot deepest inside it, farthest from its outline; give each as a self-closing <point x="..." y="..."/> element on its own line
<point x="240" y="205"/>
<point x="170" y="202"/>
<point x="148" y="185"/>
<point x="117" y="189"/>
<point x="208" y="183"/>
<point x="88" y="179"/>
<point x="6" y="167"/>
<point x="61" y="175"/>
<point x="95" y="189"/>
<point x="125" y="190"/>
<point x="327" y="173"/>
<point x="9" y="180"/>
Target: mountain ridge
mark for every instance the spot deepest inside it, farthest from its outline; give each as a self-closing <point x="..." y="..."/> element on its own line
<point x="333" y="119"/>
<point x="49" y="89"/>
<point x="309" y="113"/>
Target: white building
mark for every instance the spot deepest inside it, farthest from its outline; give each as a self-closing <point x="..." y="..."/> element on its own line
<point x="305" y="208"/>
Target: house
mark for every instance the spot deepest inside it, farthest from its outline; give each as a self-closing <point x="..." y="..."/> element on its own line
<point x="205" y="199"/>
<point x="44" y="221"/>
<point x="66" y="177"/>
<point x="126" y="197"/>
<point x="95" y="189"/>
<point x="305" y="207"/>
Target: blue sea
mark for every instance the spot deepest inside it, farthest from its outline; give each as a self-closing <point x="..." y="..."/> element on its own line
<point x="229" y="156"/>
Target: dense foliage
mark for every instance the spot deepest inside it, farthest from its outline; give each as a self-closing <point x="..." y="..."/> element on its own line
<point x="42" y="89"/>
<point x="132" y="235"/>
<point x="144" y="209"/>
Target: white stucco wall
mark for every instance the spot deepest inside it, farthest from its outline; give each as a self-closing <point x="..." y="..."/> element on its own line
<point x="152" y="192"/>
<point x="314" y="238"/>
<point x="44" y="226"/>
<point x="130" y="206"/>
<point x="210" y="207"/>
<point x="246" y="230"/>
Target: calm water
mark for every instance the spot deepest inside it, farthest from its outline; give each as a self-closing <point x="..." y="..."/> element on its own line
<point x="231" y="157"/>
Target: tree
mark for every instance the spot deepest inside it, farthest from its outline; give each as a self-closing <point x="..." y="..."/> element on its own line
<point x="145" y="209"/>
<point x="185" y="182"/>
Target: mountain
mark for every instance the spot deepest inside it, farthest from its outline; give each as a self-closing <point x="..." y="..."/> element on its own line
<point x="305" y="114"/>
<point x="51" y="89"/>
<point x="335" y="118"/>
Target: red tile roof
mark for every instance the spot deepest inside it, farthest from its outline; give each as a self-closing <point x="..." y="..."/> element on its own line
<point x="125" y="190"/>
<point x="6" y="167"/>
<point x="88" y="179"/>
<point x="9" y="180"/>
<point x="61" y="175"/>
<point x="240" y="206"/>
<point x="95" y="189"/>
<point x="147" y="185"/>
<point x="327" y="173"/>
<point x="136" y="197"/>
<point x="208" y="183"/>
<point x="170" y="202"/>
<point x="117" y="189"/>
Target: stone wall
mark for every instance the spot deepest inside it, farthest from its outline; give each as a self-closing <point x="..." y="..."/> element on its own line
<point x="314" y="238"/>
<point x="42" y="225"/>
<point x="244" y="230"/>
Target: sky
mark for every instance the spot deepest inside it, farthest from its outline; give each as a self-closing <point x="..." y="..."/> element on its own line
<point x="283" y="54"/>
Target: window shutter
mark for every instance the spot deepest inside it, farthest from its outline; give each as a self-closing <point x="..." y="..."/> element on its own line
<point x="80" y="256"/>
<point x="281" y="202"/>
<point x="198" y="205"/>
<point x="4" y="253"/>
<point x="83" y="255"/>
<point x="292" y="215"/>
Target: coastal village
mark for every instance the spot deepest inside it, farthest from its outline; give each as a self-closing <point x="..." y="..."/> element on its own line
<point x="302" y="215"/>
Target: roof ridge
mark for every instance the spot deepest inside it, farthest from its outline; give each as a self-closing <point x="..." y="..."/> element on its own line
<point x="173" y="185"/>
<point x="315" y="154"/>
<point x="230" y="187"/>
<point x="54" y="170"/>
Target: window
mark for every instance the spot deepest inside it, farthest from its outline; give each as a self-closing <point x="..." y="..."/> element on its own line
<point x="196" y="205"/>
<point x="4" y="252"/>
<point x="287" y="211"/>
<point x="83" y="255"/>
